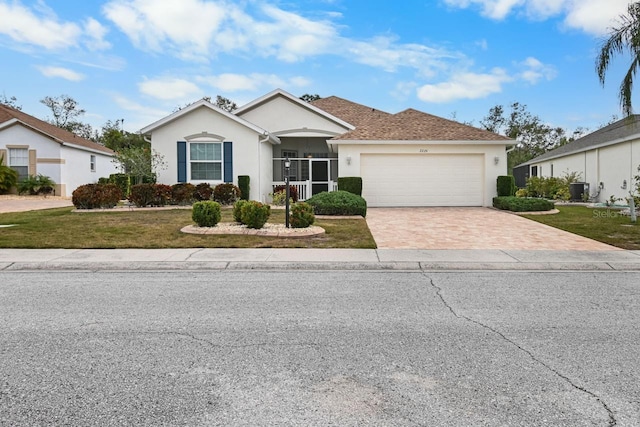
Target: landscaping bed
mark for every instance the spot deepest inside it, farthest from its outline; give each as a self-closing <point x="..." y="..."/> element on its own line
<point x="62" y="228"/>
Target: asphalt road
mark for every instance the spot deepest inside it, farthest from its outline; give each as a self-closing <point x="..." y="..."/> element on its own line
<point x="344" y="348"/>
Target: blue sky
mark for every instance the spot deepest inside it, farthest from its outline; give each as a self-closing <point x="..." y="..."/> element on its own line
<point x="138" y="60"/>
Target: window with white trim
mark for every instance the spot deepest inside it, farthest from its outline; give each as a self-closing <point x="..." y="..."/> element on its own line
<point x="205" y="161"/>
<point x="93" y="163"/>
<point x="19" y="162"/>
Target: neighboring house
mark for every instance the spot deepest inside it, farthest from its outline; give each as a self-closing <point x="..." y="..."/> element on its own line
<point x="31" y="146"/>
<point x="405" y="159"/>
<point x="606" y="159"/>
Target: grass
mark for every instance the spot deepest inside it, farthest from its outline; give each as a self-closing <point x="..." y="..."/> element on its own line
<point x="62" y="228"/>
<point x="604" y="225"/>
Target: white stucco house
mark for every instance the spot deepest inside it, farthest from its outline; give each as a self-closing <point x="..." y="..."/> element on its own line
<point x="32" y="146"/>
<point x="406" y="159"/>
<point x="606" y="159"/>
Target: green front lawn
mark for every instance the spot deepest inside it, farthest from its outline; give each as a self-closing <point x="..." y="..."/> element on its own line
<point x="61" y="228"/>
<point x="604" y="225"/>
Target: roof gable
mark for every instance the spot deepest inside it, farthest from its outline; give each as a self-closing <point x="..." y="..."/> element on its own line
<point x="620" y="131"/>
<point x="265" y="99"/>
<point x="414" y="125"/>
<point x="203" y="103"/>
<point x="11" y="116"/>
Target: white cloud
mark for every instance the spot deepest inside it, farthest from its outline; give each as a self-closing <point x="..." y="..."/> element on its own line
<point x="61" y="72"/>
<point x="23" y="26"/>
<point x="96" y="33"/>
<point x="185" y="27"/>
<point x="230" y="82"/>
<point x="465" y="86"/>
<point x="590" y="16"/>
<point x="533" y="71"/>
<point x="170" y="89"/>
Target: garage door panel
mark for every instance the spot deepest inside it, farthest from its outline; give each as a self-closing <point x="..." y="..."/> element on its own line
<point x="422" y="180"/>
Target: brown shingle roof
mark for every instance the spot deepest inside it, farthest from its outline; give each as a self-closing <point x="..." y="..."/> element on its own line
<point x="350" y="112"/>
<point x="58" y="134"/>
<point x="414" y="125"/>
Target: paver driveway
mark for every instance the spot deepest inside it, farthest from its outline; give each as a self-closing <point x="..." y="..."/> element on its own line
<point x="22" y="204"/>
<point x="469" y="228"/>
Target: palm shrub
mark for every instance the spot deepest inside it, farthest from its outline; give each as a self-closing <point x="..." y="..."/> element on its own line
<point x="226" y="194"/>
<point x="255" y="214"/>
<point x="301" y="215"/>
<point x="237" y="210"/>
<point x="338" y="203"/>
<point x="8" y="177"/>
<point x="36" y="184"/>
<point x="206" y="213"/>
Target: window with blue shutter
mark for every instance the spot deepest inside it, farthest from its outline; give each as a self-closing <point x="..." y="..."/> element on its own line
<point x="182" y="161"/>
<point x="228" y="161"/>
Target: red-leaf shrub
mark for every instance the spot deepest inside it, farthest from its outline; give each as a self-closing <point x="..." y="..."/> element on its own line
<point x="96" y="196"/>
<point x="226" y="194"/>
<point x="293" y="191"/>
<point x="203" y="191"/>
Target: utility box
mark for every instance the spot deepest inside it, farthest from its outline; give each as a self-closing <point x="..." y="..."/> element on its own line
<point x="577" y="190"/>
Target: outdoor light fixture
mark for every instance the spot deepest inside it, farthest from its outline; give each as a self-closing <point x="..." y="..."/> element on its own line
<point x="348" y="160"/>
<point x="624" y="184"/>
<point x="287" y="166"/>
<point x="496" y="160"/>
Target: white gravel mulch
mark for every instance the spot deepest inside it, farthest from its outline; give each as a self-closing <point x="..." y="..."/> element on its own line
<point x="270" y="230"/>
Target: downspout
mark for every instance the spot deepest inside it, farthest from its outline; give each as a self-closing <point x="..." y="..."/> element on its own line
<point x="260" y="142"/>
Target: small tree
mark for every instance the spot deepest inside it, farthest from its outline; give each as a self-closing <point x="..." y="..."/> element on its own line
<point x="140" y="163"/>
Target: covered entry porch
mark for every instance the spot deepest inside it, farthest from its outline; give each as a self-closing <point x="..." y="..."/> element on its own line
<point x="309" y="175"/>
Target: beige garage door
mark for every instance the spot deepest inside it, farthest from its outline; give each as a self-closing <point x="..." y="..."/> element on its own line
<point x="422" y="179"/>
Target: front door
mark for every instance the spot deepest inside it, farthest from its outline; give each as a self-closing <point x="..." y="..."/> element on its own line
<point x="319" y="176"/>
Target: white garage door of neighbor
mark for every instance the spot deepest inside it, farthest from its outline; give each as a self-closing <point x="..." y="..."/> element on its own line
<point x="422" y="179"/>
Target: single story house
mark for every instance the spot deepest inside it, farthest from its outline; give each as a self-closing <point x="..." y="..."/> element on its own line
<point x="406" y="159"/>
<point x="31" y="146"/>
<point x="606" y="159"/>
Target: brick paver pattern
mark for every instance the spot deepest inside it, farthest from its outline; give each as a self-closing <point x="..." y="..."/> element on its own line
<point x="469" y="228"/>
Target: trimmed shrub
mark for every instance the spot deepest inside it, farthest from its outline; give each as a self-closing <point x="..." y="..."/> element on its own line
<point x="301" y="215"/>
<point x="163" y="195"/>
<point x="203" y="191"/>
<point x="206" y="213"/>
<point x="182" y="193"/>
<point x="506" y="185"/>
<point x="255" y="214"/>
<point x="123" y="181"/>
<point x="243" y="184"/>
<point x="237" y="210"/>
<point x="293" y="191"/>
<point x="338" y="203"/>
<point x="522" y="204"/>
<point x="226" y="194"/>
<point x="280" y="198"/>
<point x="96" y="196"/>
<point x="143" y="195"/>
<point x="352" y="184"/>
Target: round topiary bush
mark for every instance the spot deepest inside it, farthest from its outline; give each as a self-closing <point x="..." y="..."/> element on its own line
<point x="206" y="213"/>
<point x="338" y="203"/>
<point x="301" y="215"/>
<point x="255" y="214"/>
<point x="237" y="210"/>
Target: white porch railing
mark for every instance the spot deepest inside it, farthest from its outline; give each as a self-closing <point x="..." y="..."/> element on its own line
<point x="304" y="188"/>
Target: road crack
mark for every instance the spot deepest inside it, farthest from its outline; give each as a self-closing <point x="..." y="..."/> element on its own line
<point x="612" y="419"/>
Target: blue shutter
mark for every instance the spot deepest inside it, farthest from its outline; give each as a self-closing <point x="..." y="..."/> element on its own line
<point x="182" y="161"/>
<point x="228" y="161"/>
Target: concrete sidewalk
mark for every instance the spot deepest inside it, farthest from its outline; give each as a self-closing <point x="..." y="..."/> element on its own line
<point x="313" y="259"/>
